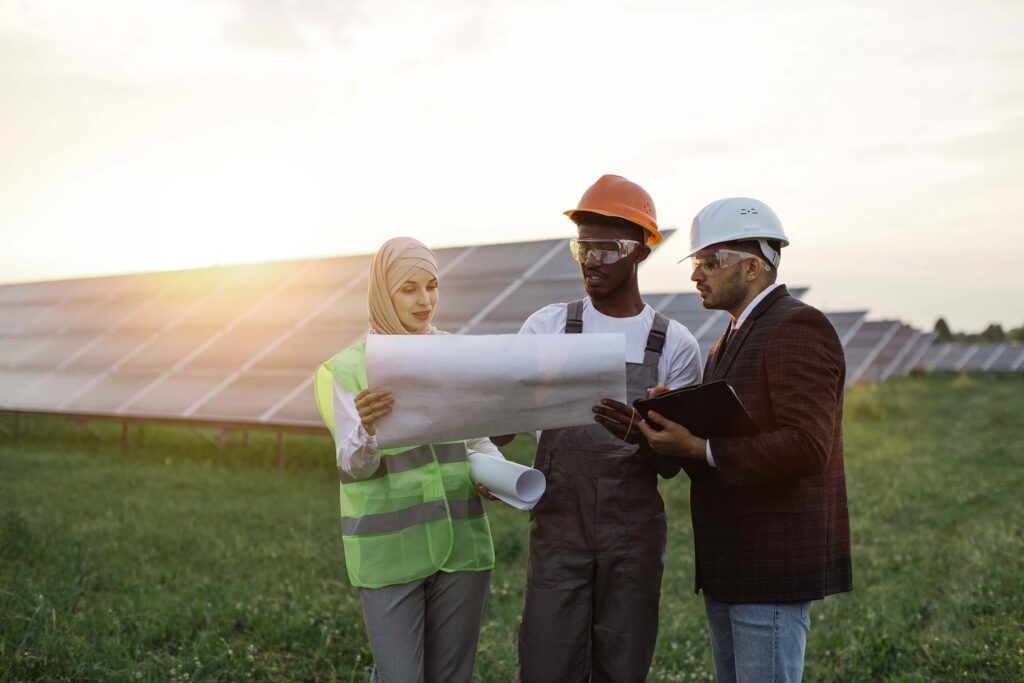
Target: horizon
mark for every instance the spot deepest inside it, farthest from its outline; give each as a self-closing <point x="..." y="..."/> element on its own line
<point x="644" y="290"/>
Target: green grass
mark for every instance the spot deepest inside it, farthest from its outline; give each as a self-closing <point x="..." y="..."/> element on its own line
<point x="177" y="561"/>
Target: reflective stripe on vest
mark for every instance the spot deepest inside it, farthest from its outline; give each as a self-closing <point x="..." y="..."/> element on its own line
<point x="390" y="522"/>
<point x="394" y="463"/>
<point x="418" y="513"/>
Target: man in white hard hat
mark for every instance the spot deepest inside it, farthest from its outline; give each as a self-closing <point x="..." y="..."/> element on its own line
<point x="770" y="522"/>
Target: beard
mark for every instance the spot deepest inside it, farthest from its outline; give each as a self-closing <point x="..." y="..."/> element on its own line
<point x="725" y="295"/>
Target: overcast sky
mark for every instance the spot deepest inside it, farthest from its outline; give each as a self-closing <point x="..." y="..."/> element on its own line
<point x="889" y="137"/>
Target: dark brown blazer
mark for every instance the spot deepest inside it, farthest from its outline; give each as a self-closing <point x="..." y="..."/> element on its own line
<point x="770" y="521"/>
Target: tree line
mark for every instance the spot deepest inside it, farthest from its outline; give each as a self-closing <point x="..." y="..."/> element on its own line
<point x="993" y="334"/>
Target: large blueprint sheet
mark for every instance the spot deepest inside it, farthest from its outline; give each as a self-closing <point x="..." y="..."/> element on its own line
<point x="454" y="387"/>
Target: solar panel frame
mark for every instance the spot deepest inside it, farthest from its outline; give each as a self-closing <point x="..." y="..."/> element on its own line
<point x="215" y="345"/>
<point x="892" y="354"/>
<point x="249" y="394"/>
<point x="846" y="323"/>
<point x="45" y="389"/>
<point x="50" y="352"/>
<point x="14" y="348"/>
<point x="531" y="296"/>
<point x="12" y="383"/>
<point x="1006" y="360"/>
<point x="306" y="348"/>
<point x="295" y="407"/>
<point x="913" y="358"/>
<point x="865" y="346"/>
<point x="506" y="261"/>
<point x="106" y="394"/>
<point x="981" y="357"/>
<point x="954" y="359"/>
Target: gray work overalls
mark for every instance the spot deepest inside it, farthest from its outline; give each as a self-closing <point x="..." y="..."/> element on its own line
<point x="597" y="547"/>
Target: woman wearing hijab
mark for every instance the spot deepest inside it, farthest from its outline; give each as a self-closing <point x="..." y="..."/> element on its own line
<point x="416" y="538"/>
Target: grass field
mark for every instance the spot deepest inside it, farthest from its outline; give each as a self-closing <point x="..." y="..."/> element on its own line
<point x="178" y="562"/>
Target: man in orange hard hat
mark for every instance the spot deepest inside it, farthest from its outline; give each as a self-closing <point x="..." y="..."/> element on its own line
<point x="597" y="537"/>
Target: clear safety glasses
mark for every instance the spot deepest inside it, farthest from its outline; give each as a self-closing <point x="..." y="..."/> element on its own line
<point x="710" y="261"/>
<point x="601" y="252"/>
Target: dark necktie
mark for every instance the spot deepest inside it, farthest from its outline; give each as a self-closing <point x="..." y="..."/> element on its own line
<point x="729" y="334"/>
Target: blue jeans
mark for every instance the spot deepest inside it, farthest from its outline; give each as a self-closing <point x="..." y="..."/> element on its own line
<point x="758" y="643"/>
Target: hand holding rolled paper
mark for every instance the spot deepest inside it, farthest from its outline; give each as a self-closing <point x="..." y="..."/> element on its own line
<point x="512" y="483"/>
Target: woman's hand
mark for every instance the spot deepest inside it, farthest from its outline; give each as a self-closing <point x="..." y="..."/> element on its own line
<point x="483" y="491"/>
<point x="373" y="405"/>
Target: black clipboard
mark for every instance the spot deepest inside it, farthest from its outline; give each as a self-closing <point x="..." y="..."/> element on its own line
<point x="707" y="410"/>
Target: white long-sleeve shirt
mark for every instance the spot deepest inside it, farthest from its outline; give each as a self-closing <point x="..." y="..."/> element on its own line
<point x="358" y="453"/>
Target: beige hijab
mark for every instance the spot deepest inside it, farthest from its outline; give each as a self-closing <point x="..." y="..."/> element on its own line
<point x="394" y="262"/>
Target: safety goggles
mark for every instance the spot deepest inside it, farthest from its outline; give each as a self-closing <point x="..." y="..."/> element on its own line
<point x="602" y="252"/>
<point x="710" y="261"/>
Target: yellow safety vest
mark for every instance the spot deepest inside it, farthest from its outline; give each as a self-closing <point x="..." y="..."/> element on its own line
<point x="419" y="513"/>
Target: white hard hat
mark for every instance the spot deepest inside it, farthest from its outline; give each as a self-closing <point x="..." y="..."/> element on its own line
<point x="737" y="219"/>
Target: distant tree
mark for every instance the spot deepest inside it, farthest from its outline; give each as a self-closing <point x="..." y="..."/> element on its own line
<point x="993" y="334"/>
<point x="942" y="331"/>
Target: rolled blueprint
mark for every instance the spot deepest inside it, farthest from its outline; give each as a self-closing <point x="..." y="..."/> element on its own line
<point x="512" y="483"/>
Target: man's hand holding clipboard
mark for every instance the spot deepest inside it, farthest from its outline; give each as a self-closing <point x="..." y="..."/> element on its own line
<point x="679" y="422"/>
<point x="667" y="438"/>
<point x="672" y="427"/>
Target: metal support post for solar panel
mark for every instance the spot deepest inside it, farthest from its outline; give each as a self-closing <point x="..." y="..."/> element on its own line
<point x="280" y="450"/>
<point x="202" y="435"/>
<point x="95" y="431"/>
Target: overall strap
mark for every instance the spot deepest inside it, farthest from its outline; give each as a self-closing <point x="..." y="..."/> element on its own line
<point x="574" y="317"/>
<point x="656" y="339"/>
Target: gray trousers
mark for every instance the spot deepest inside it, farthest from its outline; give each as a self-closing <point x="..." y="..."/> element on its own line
<point x="426" y="631"/>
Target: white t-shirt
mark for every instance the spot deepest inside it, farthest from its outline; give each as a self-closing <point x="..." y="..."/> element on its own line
<point x="680" y="362"/>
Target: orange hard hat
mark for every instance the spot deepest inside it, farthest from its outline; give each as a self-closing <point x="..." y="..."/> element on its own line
<point x="616" y="197"/>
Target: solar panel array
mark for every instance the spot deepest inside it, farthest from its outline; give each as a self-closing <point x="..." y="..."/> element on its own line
<point x="685" y="307"/>
<point x="974" y="357"/>
<point x="238" y="344"/>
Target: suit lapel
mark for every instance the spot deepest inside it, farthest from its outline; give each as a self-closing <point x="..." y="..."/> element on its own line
<point x="720" y="365"/>
<point x="714" y="354"/>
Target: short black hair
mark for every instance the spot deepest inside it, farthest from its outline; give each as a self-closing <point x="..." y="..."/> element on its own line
<point x="752" y="247"/>
<point x="602" y="221"/>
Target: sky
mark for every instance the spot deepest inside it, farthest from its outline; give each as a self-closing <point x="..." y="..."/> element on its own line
<point x="888" y="137"/>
